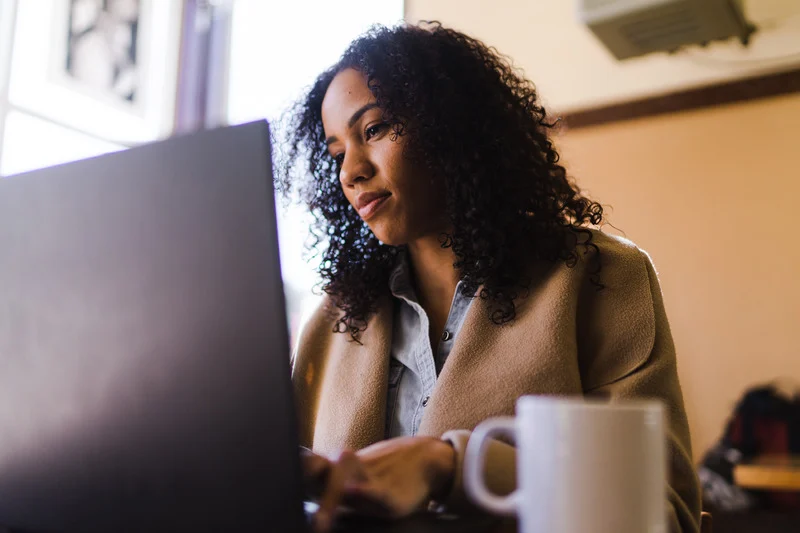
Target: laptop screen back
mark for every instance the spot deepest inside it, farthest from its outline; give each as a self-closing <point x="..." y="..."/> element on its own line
<point x="144" y="358"/>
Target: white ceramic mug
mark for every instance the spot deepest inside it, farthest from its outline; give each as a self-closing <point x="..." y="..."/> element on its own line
<point x="582" y="466"/>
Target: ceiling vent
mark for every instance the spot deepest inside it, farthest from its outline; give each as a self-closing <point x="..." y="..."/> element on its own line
<point x="630" y="28"/>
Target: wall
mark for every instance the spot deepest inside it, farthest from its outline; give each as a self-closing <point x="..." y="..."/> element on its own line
<point x="574" y="71"/>
<point x="711" y="195"/>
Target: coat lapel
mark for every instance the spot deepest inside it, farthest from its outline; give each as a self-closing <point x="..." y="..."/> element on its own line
<point x="352" y="399"/>
<point x="341" y="385"/>
<point x="492" y="365"/>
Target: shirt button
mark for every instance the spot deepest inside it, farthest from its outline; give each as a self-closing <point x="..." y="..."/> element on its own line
<point x="446" y="336"/>
<point x="425" y="401"/>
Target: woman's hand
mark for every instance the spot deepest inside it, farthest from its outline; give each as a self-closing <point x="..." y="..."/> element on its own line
<point x="392" y="478"/>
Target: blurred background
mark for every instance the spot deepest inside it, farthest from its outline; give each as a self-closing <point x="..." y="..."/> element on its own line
<point x="695" y="152"/>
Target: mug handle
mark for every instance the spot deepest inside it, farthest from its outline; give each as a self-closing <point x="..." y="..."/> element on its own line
<point x="473" y="465"/>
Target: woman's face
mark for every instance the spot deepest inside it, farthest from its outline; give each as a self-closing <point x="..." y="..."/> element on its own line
<point x="398" y="203"/>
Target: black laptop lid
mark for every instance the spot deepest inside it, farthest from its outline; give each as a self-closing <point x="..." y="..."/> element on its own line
<point x="144" y="358"/>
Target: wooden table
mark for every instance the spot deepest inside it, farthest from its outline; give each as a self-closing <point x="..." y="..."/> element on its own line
<point x="770" y="473"/>
<point x="425" y="523"/>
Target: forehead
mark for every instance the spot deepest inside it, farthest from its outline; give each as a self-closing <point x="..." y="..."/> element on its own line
<point x="347" y="93"/>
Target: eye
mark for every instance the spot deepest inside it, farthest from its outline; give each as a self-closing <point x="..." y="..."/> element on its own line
<point x="374" y="130"/>
<point x="338" y="159"/>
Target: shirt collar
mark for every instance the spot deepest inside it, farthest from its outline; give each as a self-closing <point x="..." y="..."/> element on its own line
<point x="400" y="283"/>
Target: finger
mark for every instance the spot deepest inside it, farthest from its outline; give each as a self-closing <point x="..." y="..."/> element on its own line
<point x="314" y="465"/>
<point x="342" y="471"/>
<point x="367" y="499"/>
<point x="315" y="471"/>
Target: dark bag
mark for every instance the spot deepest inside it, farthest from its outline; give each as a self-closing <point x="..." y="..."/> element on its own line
<point x="763" y="423"/>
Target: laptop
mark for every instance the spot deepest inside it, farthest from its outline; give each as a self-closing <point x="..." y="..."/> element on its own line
<point x="144" y="357"/>
<point x="144" y="354"/>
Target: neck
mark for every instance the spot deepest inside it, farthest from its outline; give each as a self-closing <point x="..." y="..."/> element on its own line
<point x="435" y="278"/>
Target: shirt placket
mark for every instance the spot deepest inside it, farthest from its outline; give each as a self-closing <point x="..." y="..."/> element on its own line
<point x="455" y="319"/>
<point x="425" y="364"/>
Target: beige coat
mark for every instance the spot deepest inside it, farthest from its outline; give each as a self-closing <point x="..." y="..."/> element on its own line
<point x="568" y="339"/>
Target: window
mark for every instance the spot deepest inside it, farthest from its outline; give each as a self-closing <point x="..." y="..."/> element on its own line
<point x="6" y="40"/>
<point x="6" y="27"/>
<point x="28" y="141"/>
<point x="277" y="49"/>
<point x="80" y="78"/>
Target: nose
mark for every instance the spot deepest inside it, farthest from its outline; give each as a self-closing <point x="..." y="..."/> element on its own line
<point x="356" y="167"/>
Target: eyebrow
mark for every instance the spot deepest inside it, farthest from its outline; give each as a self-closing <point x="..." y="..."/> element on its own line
<point x="353" y="119"/>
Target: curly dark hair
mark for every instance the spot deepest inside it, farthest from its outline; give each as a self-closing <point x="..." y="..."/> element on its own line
<point x="470" y="118"/>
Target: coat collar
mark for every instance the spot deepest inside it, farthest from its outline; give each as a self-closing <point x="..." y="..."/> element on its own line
<point x="351" y="408"/>
<point x="567" y="338"/>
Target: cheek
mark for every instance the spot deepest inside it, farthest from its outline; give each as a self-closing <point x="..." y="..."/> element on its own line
<point x="422" y="198"/>
<point x="394" y="162"/>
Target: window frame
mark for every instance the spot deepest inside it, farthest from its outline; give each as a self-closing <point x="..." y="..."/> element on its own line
<point x="192" y="42"/>
<point x="8" y="16"/>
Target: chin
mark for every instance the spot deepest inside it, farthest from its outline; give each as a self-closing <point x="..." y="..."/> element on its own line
<point x="391" y="240"/>
<point x="388" y="236"/>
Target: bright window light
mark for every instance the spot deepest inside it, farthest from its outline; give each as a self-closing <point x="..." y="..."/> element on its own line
<point x="30" y="143"/>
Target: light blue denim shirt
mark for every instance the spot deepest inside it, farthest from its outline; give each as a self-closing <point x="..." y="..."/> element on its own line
<point x="414" y="366"/>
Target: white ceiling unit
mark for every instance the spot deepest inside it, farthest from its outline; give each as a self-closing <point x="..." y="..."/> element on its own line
<point x="631" y="28"/>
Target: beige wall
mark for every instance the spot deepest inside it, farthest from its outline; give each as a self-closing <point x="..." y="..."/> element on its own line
<point x="573" y="70"/>
<point x="713" y="195"/>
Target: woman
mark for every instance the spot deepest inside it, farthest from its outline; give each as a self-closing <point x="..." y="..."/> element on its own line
<point x="460" y="272"/>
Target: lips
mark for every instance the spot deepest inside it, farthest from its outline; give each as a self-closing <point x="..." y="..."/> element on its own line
<point x="368" y="203"/>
